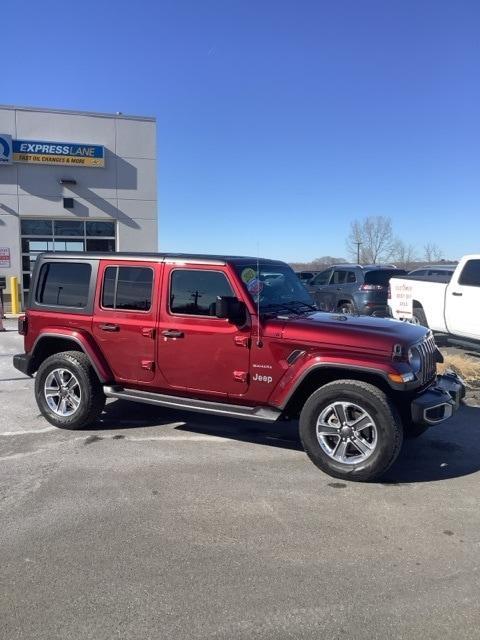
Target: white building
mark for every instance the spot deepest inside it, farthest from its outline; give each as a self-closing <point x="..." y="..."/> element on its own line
<point x="74" y="181"/>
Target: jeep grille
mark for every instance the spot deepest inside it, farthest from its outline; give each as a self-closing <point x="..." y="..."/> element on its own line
<point x="427" y="349"/>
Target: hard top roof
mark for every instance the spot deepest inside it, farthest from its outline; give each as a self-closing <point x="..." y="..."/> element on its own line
<point x="370" y="267"/>
<point x="160" y="257"/>
<point x="437" y="266"/>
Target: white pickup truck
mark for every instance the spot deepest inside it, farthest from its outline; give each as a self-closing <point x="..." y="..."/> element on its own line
<point x="449" y="305"/>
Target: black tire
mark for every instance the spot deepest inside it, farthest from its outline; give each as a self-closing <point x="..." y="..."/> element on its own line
<point x="373" y="401"/>
<point x="346" y="308"/>
<point x="92" y="398"/>
<point x="419" y="316"/>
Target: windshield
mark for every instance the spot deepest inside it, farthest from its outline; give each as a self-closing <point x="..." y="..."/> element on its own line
<point x="275" y="288"/>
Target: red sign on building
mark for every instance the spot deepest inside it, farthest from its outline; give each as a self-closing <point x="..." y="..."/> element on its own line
<point x="4" y="257"/>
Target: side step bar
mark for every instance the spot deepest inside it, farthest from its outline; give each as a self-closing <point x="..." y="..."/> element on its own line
<point x="264" y="414"/>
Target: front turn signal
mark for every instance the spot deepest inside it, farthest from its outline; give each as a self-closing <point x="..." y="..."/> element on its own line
<point x="401" y="378"/>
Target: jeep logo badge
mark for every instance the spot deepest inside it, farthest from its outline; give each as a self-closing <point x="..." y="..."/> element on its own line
<point x="258" y="378"/>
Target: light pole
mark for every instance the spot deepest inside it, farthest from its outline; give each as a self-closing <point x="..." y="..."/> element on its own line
<point x="358" y="251"/>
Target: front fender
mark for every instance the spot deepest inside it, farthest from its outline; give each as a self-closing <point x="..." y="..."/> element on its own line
<point x="86" y="343"/>
<point x="305" y="365"/>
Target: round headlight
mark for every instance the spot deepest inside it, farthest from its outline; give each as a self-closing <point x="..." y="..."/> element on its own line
<point x="414" y="359"/>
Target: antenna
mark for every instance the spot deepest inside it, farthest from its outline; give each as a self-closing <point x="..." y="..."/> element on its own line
<point x="259" y="335"/>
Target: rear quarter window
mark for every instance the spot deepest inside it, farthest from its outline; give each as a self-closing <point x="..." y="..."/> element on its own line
<point x="63" y="284"/>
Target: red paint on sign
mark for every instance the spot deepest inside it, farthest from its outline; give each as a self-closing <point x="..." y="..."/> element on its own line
<point x="4" y="257"/>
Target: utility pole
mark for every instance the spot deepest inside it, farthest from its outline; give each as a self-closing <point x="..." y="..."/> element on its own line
<point x="358" y="251"/>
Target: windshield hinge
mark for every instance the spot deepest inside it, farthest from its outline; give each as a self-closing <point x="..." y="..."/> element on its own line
<point x="242" y="341"/>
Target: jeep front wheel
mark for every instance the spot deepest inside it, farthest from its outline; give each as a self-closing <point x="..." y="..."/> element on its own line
<point x="351" y="430"/>
<point x="68" y="391"/>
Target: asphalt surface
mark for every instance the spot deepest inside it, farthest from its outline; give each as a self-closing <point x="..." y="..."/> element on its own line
<point x="160" y="524"/>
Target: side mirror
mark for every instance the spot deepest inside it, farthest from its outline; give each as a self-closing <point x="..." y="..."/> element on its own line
<point x="231" y="308"/>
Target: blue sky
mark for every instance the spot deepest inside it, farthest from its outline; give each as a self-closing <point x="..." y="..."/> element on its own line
<point x="278" y="122"/>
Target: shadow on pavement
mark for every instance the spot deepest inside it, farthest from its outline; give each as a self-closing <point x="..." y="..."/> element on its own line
<point x="121" y="414"/>
<point x="447" y="451"/>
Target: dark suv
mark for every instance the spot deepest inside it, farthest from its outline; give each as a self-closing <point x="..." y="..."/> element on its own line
<point x="354" y="288"/>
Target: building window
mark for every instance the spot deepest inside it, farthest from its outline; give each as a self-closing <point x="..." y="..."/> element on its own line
<point x="39" y="235"/>
<point x="99" y="228"/>
<point x="68" y="228"/>
<point x="100" y="244"/>
<point x="36" y="227"/>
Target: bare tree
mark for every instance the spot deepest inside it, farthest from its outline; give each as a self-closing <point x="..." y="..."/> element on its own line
<point x="371" y="239"/>
<point x="432" y="252"/>
<point x="403" y="254"/>
<point x="326" y="261"/>
<point x="317" y="264"/>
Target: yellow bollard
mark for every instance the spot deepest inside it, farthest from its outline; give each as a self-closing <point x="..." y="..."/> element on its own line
<point x="14" y="295"/>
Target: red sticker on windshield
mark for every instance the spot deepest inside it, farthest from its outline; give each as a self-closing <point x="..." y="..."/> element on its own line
<point x="255" y="286"/>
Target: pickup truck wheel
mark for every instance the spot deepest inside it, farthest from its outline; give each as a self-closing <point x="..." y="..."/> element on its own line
<point x="419" y="316"/>
<point x="68" y="391"/>
<point x="351" y="430"/>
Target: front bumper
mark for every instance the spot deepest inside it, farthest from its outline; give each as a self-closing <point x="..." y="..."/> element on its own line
<point x="22" y="362"/>
<point x="440" y="401"/>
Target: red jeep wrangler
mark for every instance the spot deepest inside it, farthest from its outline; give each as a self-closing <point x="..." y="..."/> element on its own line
<point x="231" y="336"/>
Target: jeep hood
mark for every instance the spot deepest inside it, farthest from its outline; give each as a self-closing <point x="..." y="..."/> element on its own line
<point x="362" y="333"/>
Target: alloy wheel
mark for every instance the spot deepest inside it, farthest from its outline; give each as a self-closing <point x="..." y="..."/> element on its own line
<point x="346" y="432"/>
<point x="62" y="392"/>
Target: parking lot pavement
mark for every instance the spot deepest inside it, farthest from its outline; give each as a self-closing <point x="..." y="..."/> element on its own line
<point x="160" y="524"/>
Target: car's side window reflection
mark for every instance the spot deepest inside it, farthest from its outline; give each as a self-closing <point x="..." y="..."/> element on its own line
<point x="195" y="292"/>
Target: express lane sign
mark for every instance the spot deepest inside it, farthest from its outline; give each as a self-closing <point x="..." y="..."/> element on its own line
<point x="63" y="153"/>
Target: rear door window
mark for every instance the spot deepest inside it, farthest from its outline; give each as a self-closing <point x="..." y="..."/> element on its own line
<point x="382" y="276"/>
<point x="64" y="284"/>
<point x="127" y="288"/>
<point x="339" y="276"/>
<point x="470" y="275"/>
<point x="322" y="278"/>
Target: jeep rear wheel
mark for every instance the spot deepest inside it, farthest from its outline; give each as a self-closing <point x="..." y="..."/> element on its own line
<point x="350" y="430"/>
<point x="68" y="391"/>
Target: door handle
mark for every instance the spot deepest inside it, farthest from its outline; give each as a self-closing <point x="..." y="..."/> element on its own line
<point x="172" y="333"/>
<point x="456" y="293"/>
<point x="109" y="327"/>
